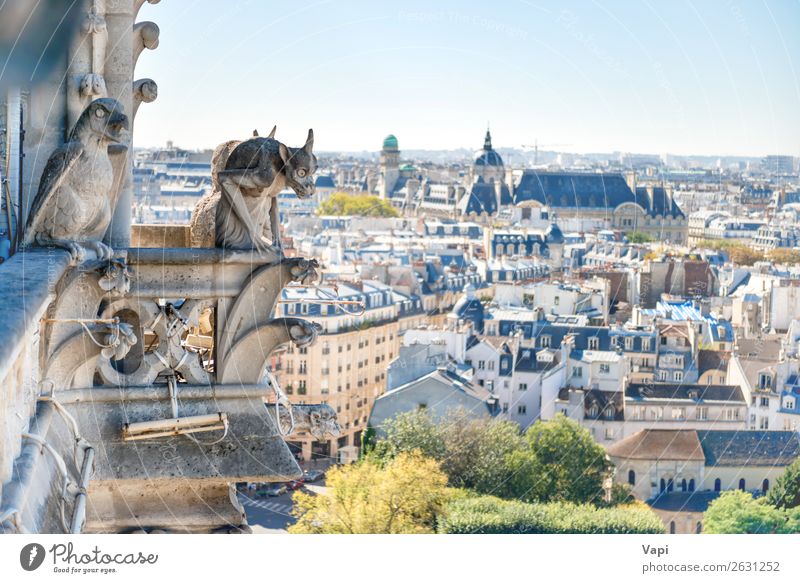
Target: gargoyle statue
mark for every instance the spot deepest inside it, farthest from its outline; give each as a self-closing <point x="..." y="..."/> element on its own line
<point x="248" y="181"/>
<point x="319" y="420"/>
<point x="303" y="332"/>
<point x="72" y="208"/>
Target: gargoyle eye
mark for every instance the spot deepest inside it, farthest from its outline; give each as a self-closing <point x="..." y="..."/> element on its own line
<point x="100" y="113"/>
<point x="301" y="172"/>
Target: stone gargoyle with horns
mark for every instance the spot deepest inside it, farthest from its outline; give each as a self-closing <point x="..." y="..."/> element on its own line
<point x="75" y="201"/>
<point x="241" y="212"/>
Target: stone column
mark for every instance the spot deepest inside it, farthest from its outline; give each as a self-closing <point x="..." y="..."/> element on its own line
<point x="126" y="41"/>
<point x="119" y="83"/>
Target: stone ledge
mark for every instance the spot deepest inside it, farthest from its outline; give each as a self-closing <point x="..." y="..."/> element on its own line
<point x="27" y="281"/>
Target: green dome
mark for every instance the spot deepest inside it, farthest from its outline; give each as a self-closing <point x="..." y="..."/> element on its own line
<point x="390" y="142"/>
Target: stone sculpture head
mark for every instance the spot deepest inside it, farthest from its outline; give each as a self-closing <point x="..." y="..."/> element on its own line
<point x="322" y="422"/>
<point x="104" y="117"/>
<point x="300" y="164"/>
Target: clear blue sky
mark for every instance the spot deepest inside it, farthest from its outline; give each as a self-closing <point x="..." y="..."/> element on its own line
<point x="702" y="77"/>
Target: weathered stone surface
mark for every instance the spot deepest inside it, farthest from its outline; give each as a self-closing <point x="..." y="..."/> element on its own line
<point x="247" y="177"/>
<point x="72" y="208"/>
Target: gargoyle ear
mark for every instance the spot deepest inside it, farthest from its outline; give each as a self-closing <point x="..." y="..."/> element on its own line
<point x="309" y="141"/>
<point x="284" y="152"/>
<point x="272" y="133"/>
<point x="255" y="133"/>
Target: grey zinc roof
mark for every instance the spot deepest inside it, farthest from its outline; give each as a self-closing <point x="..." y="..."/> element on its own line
<point x="643" y="391"/>
<point x="697" y="501"/>
<point x="749" y="448"/>
<point x="575" y="190"/>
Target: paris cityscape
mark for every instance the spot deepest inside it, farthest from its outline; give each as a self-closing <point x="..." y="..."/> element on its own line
<point x="393" y="306"/>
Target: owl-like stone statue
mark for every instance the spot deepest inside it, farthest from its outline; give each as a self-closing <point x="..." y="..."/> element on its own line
<point x="73" y="207"/>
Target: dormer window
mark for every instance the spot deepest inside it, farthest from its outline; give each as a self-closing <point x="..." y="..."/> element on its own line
<point x="765" y="381"/>
<point x="594" y="343"/>
<point x="544" y="341"/>
<point x="593" y="411"/>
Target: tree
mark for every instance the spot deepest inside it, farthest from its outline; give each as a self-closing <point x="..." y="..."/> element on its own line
<point x="737" y="512"/>
<point x="473" y="452"/>
<point x="639" y="237"/>
<point x="742" y="255"/>
<point x="343" y="204"/>
<point x="784" y="256"/>
<point x="561" y="463"/>
<point x="404" y="495"/>
<point x="786" y="491"/>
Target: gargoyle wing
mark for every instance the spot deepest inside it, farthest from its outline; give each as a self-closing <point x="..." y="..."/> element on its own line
<point x="55" y="172"/>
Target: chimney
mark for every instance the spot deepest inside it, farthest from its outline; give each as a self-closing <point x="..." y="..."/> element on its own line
<point x="630" y="178"/>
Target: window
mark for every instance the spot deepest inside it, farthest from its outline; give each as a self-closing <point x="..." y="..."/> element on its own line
<point x="505" y="407"/>
<point x="323" y="386"/>
<point x="301" y="388"/>
<point x="662" y="375"/>
<point x="481" y="364"/>
<point x="302" y="369"/>
<point x="788" y="402"/>
<point x="522" y="409"/>
<point x="717" y="485"/>
<point x="765" y="381"/>
<point x="523" y="386"/>
<point x="631" y="477"/>
<point x="765" y="401"/>
<point x="605" y="368"/>
<point x="593" y="411"/>
<point x="763" y="423"/>
<point x="683" y="485"/>
<point x="672" y="527"/>
<point x="731" y="414"/>
<point x="629" y="343"/>
<point x="609" y="433"/>
<point x="764" y="486"/>
<point x="491" y="365"/>
<point x="657" y="413"/>
<point x="594" y="343"/>
<point x="678" y="413"/>
<point x="742" y="484"/>
<point x="678" y="375"/>
<point x="663" y="341"/>
<point x="646" y="344"/>
<point x="577" y="372"/>
<point x="544" y="341"/>
<point x="556" y="300"/>
<point x="691" y="485"/>
<point x="326" y="348"/>
<point x="701" y="413"/>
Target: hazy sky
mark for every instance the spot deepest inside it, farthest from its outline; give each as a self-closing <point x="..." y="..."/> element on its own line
<point x="703" y="77"/>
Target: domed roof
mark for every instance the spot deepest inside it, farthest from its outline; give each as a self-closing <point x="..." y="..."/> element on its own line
<point x="390" y="142"/>
<point x="487" y="156"/>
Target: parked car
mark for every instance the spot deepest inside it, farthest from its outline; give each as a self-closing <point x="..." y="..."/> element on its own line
<point x="295" y="484"/>
<point x="313" y="475"/>
<point x="271" y="490"/>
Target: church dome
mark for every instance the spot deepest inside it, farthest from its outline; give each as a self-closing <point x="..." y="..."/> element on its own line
<point x="487" y="156"/>
<point x="390" y="142"/>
